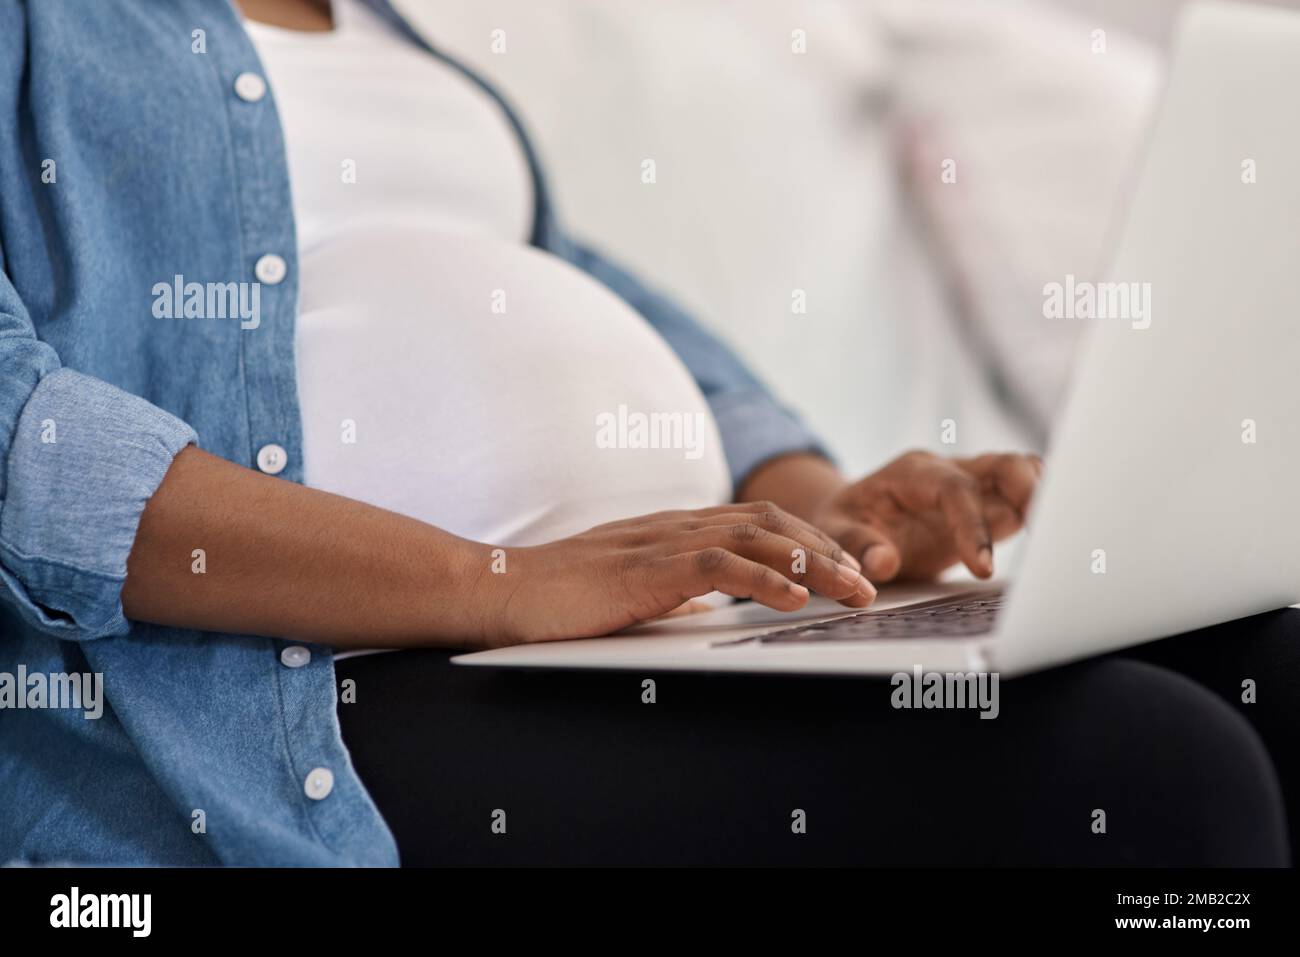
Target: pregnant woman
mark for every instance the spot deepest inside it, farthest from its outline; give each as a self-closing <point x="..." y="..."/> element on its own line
<point x="395" y="445"/>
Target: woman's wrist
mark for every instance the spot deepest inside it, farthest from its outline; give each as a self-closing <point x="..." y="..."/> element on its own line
<point x="799" y="482"/>
<point x="488" y="578"/>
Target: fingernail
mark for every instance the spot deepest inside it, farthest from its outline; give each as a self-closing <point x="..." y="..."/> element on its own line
<point x="847" y="559"/>
<point x="849" y="576"/>
<point x="798" y="590"/>
<point x="867" y="589"/>
<point x="986" y="559"/>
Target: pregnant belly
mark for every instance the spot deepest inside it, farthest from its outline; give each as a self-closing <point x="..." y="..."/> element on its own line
<point x="492" y="390"/>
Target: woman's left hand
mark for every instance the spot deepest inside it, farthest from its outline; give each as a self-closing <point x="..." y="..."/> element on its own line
<point x="922" y="513"/>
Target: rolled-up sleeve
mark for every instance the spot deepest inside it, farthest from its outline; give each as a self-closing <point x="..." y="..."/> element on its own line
<point x="81" y="458"/>
<point x="754" y="426"/>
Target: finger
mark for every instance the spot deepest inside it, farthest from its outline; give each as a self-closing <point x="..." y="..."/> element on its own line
<point x="807" y="531"/>
<point x="675" y="514"/>
<point x="672" y="515"/>
<point x="794" y="559"/>
<point x="692" y="607"/>
<point x="1003" y="520"/>
<point x="880" y="557"/>
<point x="775" y="520"/>
<point x="963" y="509"/>
<point x="692" y="574"/>
<point x="1014" y="477"/>
<point x="767" y="513"/>
<point x="681" y="514"/>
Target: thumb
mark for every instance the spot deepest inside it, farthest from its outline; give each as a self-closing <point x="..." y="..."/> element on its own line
<point x="879" y="555"/>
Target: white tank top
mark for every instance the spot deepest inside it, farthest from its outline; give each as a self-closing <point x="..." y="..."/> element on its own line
<point x="446" y="369"/>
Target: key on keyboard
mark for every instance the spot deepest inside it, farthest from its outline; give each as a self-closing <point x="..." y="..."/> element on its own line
<point x="955" y="616"/>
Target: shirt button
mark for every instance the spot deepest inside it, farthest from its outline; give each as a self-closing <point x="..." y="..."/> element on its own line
<point x="250" y="87"/>
<point x="295" y="656"/>
<point x="272" y="459"/>
<point x="319" y="784"/>
<point x="271" y="269"/>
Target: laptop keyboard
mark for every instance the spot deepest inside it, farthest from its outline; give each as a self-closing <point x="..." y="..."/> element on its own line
<point x="955" y="616"/>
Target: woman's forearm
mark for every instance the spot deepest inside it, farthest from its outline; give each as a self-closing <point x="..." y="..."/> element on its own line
<point x="799" y="483"/>
<point x="223" y="548"/>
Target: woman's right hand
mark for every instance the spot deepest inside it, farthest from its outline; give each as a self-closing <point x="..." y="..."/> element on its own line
<point x="624" y="572"/>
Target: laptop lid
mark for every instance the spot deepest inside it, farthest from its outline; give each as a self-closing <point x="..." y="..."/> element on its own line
<point x="1170" y="500"/>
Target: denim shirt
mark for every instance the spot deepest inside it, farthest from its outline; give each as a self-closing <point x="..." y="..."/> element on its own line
<point x="130" y="152"/>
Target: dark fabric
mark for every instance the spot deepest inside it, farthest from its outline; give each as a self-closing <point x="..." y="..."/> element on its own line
<point x="714" y="770"/>
<point x="1265" y="650"/>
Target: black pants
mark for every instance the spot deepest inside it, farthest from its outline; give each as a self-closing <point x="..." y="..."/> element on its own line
<point x="479" y="766"/>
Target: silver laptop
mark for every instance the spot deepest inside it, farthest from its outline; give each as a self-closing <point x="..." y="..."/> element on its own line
<point x="1171" y="499"/>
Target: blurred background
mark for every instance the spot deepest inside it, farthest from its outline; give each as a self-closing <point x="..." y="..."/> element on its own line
<point x="820" y="171"/>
